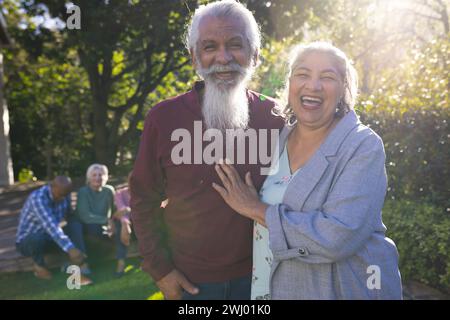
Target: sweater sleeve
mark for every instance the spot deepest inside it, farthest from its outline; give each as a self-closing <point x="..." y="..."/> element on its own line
<point x="147" y="193"/>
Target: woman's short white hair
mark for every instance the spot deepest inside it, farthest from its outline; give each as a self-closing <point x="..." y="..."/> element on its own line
<point x="95" y="167"/>
<point x="229" y="9"/>
<point x="343" y="64"/>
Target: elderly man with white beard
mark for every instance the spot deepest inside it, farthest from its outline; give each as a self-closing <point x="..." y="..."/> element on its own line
<point x="196" y="247"/>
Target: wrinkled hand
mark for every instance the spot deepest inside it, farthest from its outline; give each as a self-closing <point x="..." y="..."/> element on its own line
<point x="62" y="224"/>
<point x="241" y="196"/>
<point x="120" y="213"/>
<point x="110" y="228"/>
<point x="172" y="285"/>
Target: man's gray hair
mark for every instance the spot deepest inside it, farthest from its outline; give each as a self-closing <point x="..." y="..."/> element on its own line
<point x="346" y="71"/>
<point x="94" y="167"/>
<point x="224" y="8"/>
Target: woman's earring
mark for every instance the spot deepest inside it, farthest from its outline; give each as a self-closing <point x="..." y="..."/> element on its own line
<point x="291" y="120"/>
<point x="340" y="107"/>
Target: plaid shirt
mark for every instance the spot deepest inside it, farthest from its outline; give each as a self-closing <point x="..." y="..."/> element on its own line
<point x="41" y="214"/>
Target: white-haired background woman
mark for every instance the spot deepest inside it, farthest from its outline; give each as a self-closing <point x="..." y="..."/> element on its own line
<point x="95" y="206"/>
<point x="318" y="228"/>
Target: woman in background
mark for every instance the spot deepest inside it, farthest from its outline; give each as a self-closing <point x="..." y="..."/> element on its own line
<point x="95" y="205"/>
<point x="122" y="223"/>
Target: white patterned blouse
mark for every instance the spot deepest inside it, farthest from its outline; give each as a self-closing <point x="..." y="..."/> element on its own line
<point x="272" y="192"/>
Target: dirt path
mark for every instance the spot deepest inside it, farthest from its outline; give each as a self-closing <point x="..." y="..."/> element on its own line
<point x="11" y="201"/>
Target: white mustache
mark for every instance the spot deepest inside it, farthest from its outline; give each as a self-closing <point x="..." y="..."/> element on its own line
<point x="232" y="67"/>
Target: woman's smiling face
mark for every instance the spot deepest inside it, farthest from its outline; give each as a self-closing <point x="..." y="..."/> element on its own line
<point x="97" y="179"/>
<point x="315" y="88"/>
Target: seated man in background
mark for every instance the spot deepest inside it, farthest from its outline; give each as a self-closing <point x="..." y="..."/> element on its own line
<point x="40" y="224"/>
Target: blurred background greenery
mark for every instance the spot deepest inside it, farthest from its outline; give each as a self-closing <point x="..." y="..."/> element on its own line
<point x="79" y="96"/>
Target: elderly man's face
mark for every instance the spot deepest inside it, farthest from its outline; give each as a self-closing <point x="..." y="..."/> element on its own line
<point x="222" y="42"/>
<point x="60" y="192"/>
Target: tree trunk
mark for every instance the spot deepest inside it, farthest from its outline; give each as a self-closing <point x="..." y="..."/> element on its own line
<point x="101" y="133"/>
<point x="49" y="159"/>
<point x="100" y="90"/>
<point x="6" y="166"/>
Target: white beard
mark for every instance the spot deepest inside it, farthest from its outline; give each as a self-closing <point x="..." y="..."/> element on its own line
<point x="225" y="103"/>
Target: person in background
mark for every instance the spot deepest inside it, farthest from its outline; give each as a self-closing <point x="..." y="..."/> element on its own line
<point x="95" y="206"/>
<point x="40" y="224"/>
<point x="122" y="223"/>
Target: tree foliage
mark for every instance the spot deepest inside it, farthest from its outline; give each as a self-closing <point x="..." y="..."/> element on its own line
<point x="50" y="130"/>
<point x="126" y="56"/>
<point x="93" y="86"/>
<point x="411" y="113"/>
<point x="126" y="49"/>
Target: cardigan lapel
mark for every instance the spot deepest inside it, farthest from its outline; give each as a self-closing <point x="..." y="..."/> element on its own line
<point x="306" y="179"/>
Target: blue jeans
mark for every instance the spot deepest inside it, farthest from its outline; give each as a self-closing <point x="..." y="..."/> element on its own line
<point x="35" y="246"/>
<point x="236" y="289"/>
<point x="78" y="230"/>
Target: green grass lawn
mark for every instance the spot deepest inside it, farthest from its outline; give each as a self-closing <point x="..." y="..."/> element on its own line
<point x="135" y="284"/>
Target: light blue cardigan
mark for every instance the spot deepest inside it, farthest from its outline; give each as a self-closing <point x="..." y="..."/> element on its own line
<point x="327" y="237"/>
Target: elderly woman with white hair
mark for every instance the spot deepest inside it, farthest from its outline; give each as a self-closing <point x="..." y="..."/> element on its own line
<point x="95" y="207"/>
<point x="318" y="228"/>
